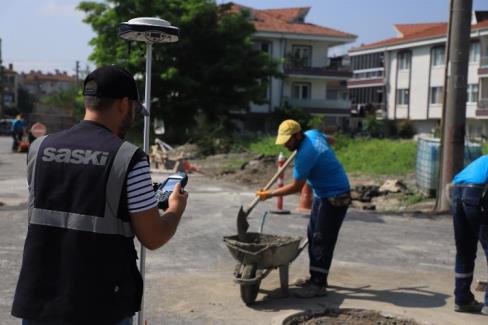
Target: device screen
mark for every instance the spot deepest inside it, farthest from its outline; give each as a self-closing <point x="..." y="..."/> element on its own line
<point x="170" y="184"/>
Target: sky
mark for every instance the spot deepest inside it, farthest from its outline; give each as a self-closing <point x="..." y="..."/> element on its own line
<point x="50" y="34"/>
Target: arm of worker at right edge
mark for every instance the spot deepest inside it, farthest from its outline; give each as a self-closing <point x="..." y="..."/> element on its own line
<point x="154" y="230"/>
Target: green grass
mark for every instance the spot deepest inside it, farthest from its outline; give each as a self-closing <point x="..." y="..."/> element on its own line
<point x="264" y="145"/>
<point x="377" y="156"/>
<point x="484" y="148"/>
<point x="414" y="198"/>
<point x="366" y="156"/>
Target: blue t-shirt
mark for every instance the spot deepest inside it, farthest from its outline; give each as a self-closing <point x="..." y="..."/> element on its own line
<point x="18" y="126"/>
<point x="475" y="173"/>
<point x="316" y="162"/>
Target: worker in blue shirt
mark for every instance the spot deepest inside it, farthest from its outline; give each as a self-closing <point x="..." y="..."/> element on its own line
<point x="470" y="218"/>
<point x="18" y="131"/>
<point x="316" y="164"/>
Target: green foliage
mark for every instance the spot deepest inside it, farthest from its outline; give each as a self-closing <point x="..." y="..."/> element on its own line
<point x="211" y="136"/>
<point x="306" y="120"/>
<point x="70" y="99"/>
<point x="373" y="127"/>
<point x="484" y="148"/>
<point x="414" y="198"/>
<point x="203" y="73"/>
<point x="406" y="129"/>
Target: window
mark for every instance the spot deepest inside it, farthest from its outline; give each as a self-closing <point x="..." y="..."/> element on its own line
<point x="437" y="56"/>
<point x="332" y="94"/>
<point x="403" y="60"/>
<point x="473" y="91"/>
<point x="302" y="55"/>
<point x="263" y="46"/>
<point x="436" y="95"/>
<point x="8" y="99"/>
<point x="402" y="96"/>
<point x="474" y="52"/>
<point x="300" y="91"/>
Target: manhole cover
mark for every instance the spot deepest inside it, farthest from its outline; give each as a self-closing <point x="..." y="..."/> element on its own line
<point x="336" y="316"/>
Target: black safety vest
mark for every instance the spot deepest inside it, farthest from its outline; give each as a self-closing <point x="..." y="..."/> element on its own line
<point x="79" y="262"/>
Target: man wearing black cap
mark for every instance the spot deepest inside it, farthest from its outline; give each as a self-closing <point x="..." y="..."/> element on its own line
<point x="90" y="192"/>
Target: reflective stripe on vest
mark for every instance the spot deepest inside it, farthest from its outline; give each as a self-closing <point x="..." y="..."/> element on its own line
<point x="109" y="224"/>
<point x="31" y="171"/>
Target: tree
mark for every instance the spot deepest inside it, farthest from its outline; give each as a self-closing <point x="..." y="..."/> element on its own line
<point x="70" y="99"/>
<point x="213" y="70"/>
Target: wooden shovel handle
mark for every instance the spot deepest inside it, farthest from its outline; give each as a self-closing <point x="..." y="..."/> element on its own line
<point x="272" y="180"/>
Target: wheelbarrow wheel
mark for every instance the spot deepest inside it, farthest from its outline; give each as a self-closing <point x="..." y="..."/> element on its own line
<point x="249" y="292"/>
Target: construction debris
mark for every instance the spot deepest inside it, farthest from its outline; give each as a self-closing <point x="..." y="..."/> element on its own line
<point x="393" y="186"/>
<point x="165" y="158"/>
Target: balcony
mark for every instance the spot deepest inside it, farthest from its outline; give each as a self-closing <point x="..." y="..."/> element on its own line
<point x="483" y="69"/>
<point x="321" y="105"/>
<point x="304" y="70"/>
<point x="484" y="61"/>
<point x="482" y="110"/>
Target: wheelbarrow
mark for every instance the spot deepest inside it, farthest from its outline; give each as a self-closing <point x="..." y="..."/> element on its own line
<point x="258" y="255"/>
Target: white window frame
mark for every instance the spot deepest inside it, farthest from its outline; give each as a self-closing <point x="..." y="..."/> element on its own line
<point x="404" y="59"/>
<point x="474" y="52"/>
<point x="403" y="97"/>
<point x="301" y="86"/>
<point x="438" y="54"/>
<point x="302" y="52"/>
<point x="436" y="95"/>
<point x="473" y="93"/>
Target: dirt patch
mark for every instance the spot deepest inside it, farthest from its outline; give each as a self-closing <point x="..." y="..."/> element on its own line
<point x="254" y="171"/>
<point x="346" y="317"/>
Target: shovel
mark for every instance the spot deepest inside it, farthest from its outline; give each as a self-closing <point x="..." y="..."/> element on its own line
<point x="242" y="224"/>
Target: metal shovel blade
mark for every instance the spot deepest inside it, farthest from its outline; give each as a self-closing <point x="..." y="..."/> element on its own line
<point x="242" y="224"/>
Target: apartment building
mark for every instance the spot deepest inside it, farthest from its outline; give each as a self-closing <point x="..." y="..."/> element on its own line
<point x="10" y="91"/>
<point x="39" y="83"/>
<point x="402" y="78"/>
<point x="313" y="81"/>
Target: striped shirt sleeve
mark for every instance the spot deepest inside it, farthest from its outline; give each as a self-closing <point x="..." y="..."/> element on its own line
<point x="140" y="193"/>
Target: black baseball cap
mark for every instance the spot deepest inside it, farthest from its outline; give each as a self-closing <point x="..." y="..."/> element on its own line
<point x="112" y="82"/>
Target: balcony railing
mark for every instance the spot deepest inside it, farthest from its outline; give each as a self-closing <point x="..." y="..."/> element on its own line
<point x="484" y="61"/>
<point x="483" y="103"/>
<point x="317" y="71"/>
<point x="319" y="103"/>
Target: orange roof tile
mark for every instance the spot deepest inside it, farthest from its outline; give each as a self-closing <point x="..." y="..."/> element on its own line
<point x="37" y="76"/>
<point x="422" y="32"/>
<point x="288" y="14"/>
<point x="407" y="29"/>
<point x="280" y="20"/>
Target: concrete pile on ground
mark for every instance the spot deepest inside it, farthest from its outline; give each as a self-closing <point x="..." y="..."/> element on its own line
<point x="255" y="171"/>
<point x="335" y="316"/>
<point x="363" y="195"/>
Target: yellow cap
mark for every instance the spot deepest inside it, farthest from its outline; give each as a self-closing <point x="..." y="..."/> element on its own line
<point x="286" y="130"/>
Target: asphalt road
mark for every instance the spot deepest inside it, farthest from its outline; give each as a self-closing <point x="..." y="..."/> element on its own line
<point x="398" y="264"/>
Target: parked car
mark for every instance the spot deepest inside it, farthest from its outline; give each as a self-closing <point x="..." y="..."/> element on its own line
<point x="5" y="126"/>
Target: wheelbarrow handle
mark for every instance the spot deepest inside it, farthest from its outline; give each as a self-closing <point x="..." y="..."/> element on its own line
<point x="272" y="181"/>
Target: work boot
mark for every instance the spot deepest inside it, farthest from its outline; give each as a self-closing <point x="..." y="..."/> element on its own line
<point x="484" y="310"/>
<point x="311" y="291"/>
<point x="472" y="307"/>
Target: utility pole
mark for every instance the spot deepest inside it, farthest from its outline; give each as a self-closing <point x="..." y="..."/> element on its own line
<point x="1" y="79"/>
<point x="77" y="71"/>
<point x="454" y="123"/>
